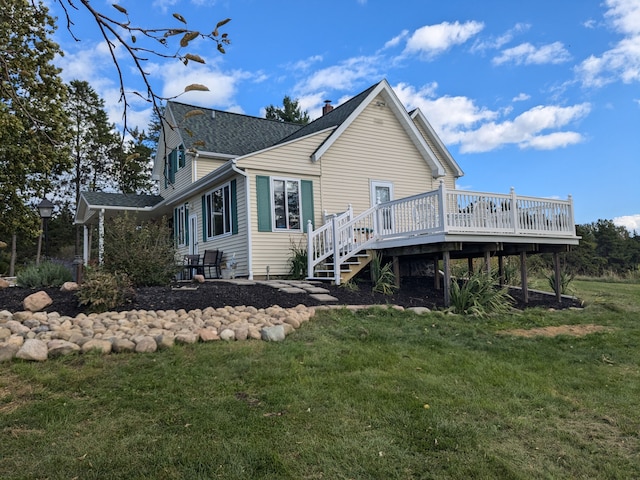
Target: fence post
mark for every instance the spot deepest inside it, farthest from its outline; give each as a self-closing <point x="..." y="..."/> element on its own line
<point x="514" y="211"/>
<point x="310" y="253"/>
<point x="336" y="251"/>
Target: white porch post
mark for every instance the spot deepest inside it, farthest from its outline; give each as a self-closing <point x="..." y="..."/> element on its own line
<point x="101" y="236"/>
<point x="443" y="206"/>
<point x="336" y="251"/>
<point x="514" y="211"/>
<point x="85" y="245"/>
<point x="309" y="249"/>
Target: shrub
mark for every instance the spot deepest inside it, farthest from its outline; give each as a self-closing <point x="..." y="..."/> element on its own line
<point x="479" y="295"/>
<point x="102" y="291"/>
<point x="298" y="260"/>
<point x="145" y="252"/>
<point x="384" y="281"/>
<point x="47" y="274"/>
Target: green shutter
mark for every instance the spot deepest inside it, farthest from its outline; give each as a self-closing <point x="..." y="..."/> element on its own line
<point x="263" y="198"/>
<point x="234" y="207"/>
<point x="205" y="219"/>
<point x="307" y="202"/>
<point x="173" y="166"/>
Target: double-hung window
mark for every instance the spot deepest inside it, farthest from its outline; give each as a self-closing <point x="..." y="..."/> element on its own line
<point x="286" y="203"/>
<point x="217" y="206"/>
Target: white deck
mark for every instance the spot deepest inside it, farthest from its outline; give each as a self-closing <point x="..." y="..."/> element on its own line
<point x="443" y="216"/>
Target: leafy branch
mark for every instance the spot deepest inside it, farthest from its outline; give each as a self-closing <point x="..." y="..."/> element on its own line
<point x="124" y="33"/>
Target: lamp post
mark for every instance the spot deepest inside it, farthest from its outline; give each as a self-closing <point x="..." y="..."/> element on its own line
<point x="45" y="209"/>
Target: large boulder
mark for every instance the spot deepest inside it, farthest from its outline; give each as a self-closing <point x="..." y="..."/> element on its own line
<point x="4" y="283"/>
<point x="37" y="301"/>
<point x="33" y="349"/>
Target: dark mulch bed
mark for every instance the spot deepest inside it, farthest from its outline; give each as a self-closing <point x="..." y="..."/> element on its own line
<point x="415" y="292"/>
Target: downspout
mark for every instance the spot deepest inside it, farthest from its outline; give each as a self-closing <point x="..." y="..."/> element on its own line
<point x="248" y="210"/>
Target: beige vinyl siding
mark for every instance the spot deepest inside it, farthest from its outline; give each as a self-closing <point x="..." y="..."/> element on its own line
<point x="274" y="248"/>
<point x="449" y="179"/>
<point x="229" y="244"/>
<point x="287" y="161"/>
<point x="206" y="165"/>
<point x="375" y="147"/>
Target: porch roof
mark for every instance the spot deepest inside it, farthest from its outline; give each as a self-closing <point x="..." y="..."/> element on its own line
<point x="92" y="202"/>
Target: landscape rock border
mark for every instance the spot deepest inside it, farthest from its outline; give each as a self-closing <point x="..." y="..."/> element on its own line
<point x="38" y="336"/>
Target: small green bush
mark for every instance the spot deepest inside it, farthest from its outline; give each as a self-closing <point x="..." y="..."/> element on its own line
<point x="565" y="281"/>
<point x="102" y="291"/>
<point x="144" y="251"/>
<point x="47" y="274"/>
<point x="479" y="295"/>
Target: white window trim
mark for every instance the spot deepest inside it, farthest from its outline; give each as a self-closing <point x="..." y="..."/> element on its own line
<point x="206" y="215"/>
<point x="273" y="206"/>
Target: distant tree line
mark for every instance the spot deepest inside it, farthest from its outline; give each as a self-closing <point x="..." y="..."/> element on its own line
<point x="604" y="249"/>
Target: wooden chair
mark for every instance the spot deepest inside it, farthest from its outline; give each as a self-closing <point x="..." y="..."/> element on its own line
<point x="212" y="260"/>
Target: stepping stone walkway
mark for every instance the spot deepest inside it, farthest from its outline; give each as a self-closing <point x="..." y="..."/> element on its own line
<point x="293" y="286"/>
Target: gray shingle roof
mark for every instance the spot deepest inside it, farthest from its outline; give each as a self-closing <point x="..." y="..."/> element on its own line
<point x="227" y="133"/>
<point x="121" y="199"/>
<point x="332" y="119"/>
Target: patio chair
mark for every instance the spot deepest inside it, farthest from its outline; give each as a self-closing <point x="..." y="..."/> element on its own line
<point x="190" y="266"/>
<point x="212" y="260"/>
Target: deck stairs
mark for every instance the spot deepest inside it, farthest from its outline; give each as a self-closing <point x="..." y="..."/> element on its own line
<point x="348" y="269"/>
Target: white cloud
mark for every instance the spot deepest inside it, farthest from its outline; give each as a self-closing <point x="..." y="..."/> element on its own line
<point x="432" y="40"/>
<point x="395" y="41"/>
<point x="498" y="42"/>
<point x="630" y="222"/>
<point x="622" y="62"/>
<point x="527" y="54"/>
<point x="521" y="97"/>
<point x="344" y="76"/>
<point x="589" y="24"/>
<point x="460" y="121"/>
<point x="307" y="62"/>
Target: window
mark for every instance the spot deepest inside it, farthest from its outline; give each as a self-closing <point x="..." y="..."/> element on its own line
<point x="217" y="212"/>
<point x="286" y="204"/>
<point x="180" y="225"/>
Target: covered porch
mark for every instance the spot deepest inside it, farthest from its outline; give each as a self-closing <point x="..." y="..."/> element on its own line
<point x="442" y="224"/>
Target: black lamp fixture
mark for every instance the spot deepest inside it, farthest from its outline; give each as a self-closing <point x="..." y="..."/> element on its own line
<point x="45" y="209"/>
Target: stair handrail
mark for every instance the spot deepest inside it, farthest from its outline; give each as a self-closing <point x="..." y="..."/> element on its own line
<point x="320" y="241"/>
<point x="353" y="237"/>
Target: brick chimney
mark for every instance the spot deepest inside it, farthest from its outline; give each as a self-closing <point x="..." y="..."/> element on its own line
<point x="327" y="107"/>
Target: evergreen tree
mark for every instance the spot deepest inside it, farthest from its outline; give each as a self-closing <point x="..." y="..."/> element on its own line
<point x="289" y="112"/>
<point x="93" y="145"/>
<point x="133" y="166"/>
<point x="32" y="118"/>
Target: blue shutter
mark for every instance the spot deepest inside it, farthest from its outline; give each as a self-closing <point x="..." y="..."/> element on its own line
<point x="186" y="224"/>
<point x="263" y="198"/>
<point x="307" y="202"/>
<point x="234" y="207"/>
<point x="175" y="226"/>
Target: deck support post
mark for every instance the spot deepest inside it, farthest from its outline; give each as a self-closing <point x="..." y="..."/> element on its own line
<point x="395" y="262"/>
<point x="446" y="260"/>
<point x="523" y="277"/>
<point x="436" y="273"/>
<point x="556" y="266"/>
<point x="487" y="261"/>
<point x="470" y="266"/>
<point x="501" y="270"/>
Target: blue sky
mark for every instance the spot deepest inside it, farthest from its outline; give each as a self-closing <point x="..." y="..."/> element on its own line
<point x="539" y="95"/>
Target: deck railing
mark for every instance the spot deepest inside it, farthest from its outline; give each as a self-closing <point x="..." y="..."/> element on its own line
<point x="440" y="211"/>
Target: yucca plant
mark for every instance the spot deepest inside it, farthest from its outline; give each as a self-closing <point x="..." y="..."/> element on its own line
<point x="479" y="295"/>
<point x="384" y="281"/>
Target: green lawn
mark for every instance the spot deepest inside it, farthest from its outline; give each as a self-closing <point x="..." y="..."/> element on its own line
<point x="365" y="395"/>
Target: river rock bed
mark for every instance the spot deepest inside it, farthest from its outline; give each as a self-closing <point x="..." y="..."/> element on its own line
<point x="40" y="335"/>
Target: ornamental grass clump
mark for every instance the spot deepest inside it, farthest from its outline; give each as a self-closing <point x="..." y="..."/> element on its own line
<point x="479" y="295"/>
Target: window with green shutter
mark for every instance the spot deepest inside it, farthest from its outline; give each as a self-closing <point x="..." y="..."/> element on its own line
<point x="284" y="204"/>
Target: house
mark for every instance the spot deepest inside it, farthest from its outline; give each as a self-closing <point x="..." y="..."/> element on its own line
<point x="367" y="175"/>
